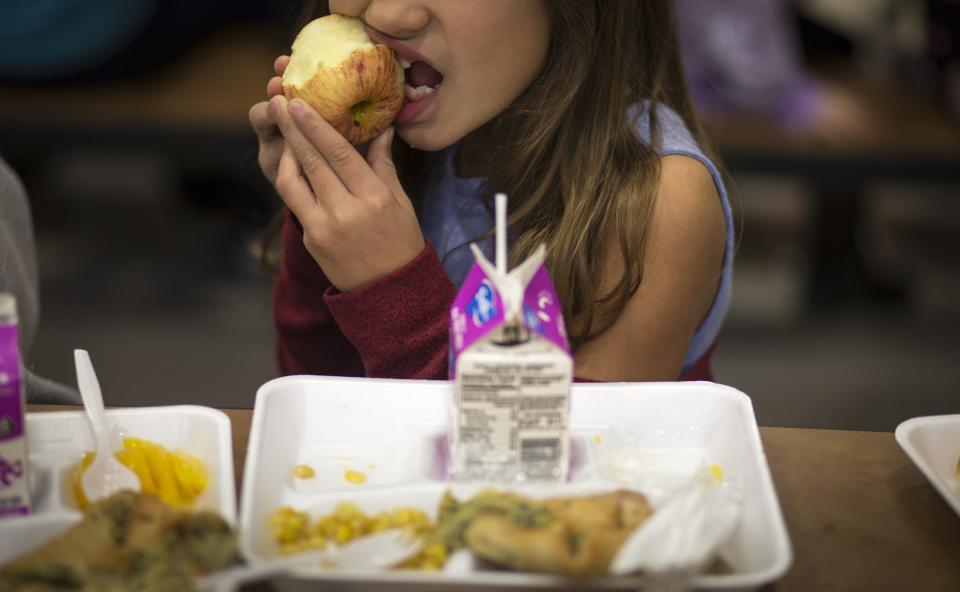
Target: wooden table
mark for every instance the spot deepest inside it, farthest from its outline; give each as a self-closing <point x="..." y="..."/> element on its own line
<point x="860" y="515"/>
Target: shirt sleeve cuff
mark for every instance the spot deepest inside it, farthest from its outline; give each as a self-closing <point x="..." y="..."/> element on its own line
<point x="399" y="323"/>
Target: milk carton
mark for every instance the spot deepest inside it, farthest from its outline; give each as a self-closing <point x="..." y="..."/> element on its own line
<point x="511" y="366"/>
<point x="14" y="491"/>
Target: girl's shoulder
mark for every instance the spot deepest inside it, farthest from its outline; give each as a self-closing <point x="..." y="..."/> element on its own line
<point x="692" y="227"/>
<point x="691" y="200"/>
<point x="688" y="210"/>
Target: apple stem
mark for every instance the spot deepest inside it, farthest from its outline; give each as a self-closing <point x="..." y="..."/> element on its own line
<point x="358" y="110"/>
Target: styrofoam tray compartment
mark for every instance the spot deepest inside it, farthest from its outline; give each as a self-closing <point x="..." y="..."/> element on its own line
<point x="933" y="444"/>
<point x="57" y="441"/>
<point x="630" y="435"/>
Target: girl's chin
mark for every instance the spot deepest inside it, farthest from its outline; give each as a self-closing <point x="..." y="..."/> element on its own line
<point x="423" y="138"/>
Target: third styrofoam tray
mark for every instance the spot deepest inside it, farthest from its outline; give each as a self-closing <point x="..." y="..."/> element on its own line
<point x="933" y="444"/>
<point x="393" y="432"/>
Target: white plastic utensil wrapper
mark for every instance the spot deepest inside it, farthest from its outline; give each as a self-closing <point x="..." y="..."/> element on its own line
<point x="511" y="365"/>
<point x="683" y="534"/>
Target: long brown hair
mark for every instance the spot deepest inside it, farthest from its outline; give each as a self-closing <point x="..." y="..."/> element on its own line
<point x="570" y="159"/>
<point x="577" y="173"/>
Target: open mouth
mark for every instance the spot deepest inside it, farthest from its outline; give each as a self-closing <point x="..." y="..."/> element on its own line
<point x="420" y="80"/>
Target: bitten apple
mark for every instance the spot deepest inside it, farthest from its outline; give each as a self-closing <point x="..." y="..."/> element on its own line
<point x="353" y="82"/>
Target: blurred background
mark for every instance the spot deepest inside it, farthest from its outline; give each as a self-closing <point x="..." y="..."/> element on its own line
<point x="837" y="120"/>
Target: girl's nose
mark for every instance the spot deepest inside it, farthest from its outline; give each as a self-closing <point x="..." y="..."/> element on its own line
<point x="402" y="19"/>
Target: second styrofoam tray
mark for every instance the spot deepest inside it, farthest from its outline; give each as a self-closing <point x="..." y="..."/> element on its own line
<point x="57" y="440"/>
<point x="392" y="431"/>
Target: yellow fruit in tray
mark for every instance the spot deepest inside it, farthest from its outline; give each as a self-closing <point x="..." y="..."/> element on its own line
<point x="137" y="462"/>
<point x="190" y="474"/>
<point x="175" y="477"/>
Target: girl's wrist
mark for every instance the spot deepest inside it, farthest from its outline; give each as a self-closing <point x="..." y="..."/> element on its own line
<point x="353" y="277"/>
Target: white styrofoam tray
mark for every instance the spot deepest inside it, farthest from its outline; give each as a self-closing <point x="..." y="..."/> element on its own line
<point x="933" y="444"/>
<point x="57" y="440"/>
<point x="629" y="434"/>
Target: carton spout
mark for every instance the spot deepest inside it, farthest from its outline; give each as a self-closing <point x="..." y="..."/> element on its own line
<point x="511" y="285"/>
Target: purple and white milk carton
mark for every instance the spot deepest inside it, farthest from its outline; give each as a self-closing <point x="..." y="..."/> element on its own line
<point x="14" y="489"/>
<point x="511" y="366"/>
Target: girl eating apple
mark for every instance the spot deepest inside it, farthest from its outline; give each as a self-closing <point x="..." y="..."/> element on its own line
<point x="578" y="110"/>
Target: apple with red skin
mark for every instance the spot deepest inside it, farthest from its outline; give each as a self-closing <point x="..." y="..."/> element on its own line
<point x="354" y="83"/>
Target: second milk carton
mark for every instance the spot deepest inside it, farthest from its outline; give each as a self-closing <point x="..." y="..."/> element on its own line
<point x="14" y="490"/>
<point x="511" y="366"/>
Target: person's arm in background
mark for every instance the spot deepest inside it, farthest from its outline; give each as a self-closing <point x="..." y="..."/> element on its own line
<point x="744" y="56"/>
<point x="18" y="276"/>
<point x="18" y="260"/>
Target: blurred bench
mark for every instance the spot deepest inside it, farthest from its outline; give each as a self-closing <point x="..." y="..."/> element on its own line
<point x="909" y="139"/>
<point x="192" y="111"/>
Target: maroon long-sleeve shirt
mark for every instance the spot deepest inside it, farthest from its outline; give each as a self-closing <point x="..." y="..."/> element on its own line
<point x="395" y="327"/>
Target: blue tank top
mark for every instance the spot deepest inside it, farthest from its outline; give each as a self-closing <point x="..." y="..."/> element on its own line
<point x="452" y="214"/>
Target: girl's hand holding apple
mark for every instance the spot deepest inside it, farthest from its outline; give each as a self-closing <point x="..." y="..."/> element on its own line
<point x="358" y="223"/>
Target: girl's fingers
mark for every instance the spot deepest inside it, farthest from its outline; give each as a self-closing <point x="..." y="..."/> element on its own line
<point x="275" y="86"/>
<point x="280" y="64"/>
<point x="323" y="152"/>
<point x="380" y="156"/>
<point x="322" y="178"/>
<point x="293" y="188"/>
<point x="263" y="123"/>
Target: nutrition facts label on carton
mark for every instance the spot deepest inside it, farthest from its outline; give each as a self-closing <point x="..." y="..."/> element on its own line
<point x="513" y="416"/>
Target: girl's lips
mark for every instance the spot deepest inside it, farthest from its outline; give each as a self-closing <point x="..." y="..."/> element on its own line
<point x="399" y="48"/>
<point x="412" y="110"/>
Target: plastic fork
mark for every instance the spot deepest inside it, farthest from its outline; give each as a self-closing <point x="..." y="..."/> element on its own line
<point x="372" y="552"/>
<point x="105" y="475"/>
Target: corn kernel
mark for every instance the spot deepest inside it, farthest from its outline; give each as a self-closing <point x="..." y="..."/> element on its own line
<point x="303" y="472"/>
<point x="345" y="511"/>
<point x="716" y="471"/>
<point x="380" y="523"/>
<point x="402" y="517"/>
<point x="355" y="477"/>
<point x="435" y="551"/>
<point x="343" y="534"/>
